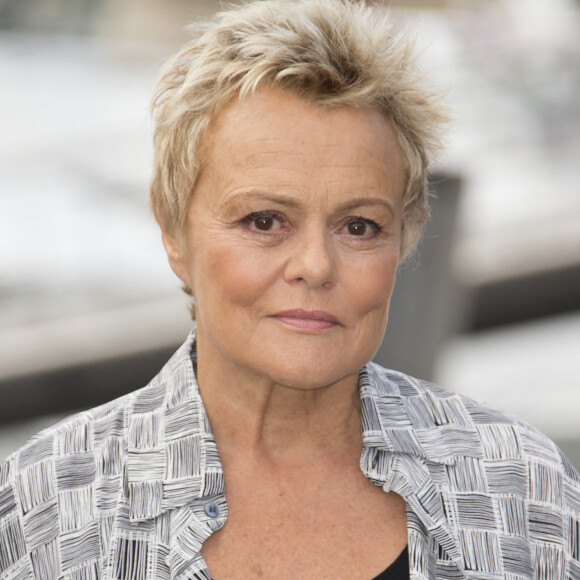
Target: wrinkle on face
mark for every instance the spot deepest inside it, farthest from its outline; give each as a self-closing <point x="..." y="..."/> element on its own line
<point x="317" y="168"/>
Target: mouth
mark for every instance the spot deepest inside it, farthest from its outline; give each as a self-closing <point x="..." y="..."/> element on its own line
<point x="307" y="320"/>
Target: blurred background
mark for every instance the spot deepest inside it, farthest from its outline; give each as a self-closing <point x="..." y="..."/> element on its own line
<point x="89" y="309"/>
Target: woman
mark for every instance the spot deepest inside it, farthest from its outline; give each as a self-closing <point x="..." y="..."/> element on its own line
<point x="292" y="144"/>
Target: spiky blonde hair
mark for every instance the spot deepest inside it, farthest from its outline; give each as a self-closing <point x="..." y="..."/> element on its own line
<point x="333" y="53"/>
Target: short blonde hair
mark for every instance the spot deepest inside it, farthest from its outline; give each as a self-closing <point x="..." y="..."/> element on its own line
<point x="332" y="53"/>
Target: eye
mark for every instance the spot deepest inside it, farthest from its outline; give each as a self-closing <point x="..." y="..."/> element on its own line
<point x="360" y="227"/>
<point x="264" y="221"/>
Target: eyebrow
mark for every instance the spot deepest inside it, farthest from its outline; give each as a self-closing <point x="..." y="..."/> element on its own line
<point x="263" y="196"/>
<point x="290" y="202"/>
<point x="364" y="202"/>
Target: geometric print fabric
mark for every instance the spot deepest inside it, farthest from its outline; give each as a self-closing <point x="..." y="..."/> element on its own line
<point x="132" y="489"/>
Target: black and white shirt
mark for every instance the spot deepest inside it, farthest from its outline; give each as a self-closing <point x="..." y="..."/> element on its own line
<point x="132" y="489"/>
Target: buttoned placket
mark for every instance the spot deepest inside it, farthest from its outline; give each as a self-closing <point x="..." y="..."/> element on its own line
<point x="193" y="526"/>
<point x="189" y="526"/>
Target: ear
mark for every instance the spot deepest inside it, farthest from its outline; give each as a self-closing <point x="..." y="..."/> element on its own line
<point x="176" y="255"/>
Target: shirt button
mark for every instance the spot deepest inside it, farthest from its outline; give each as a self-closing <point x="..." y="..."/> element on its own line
<point x="166" y="560"/>
<point x="212" y="509"/>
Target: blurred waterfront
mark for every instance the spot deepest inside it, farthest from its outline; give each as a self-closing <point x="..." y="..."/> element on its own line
<point x="84" y="282"/>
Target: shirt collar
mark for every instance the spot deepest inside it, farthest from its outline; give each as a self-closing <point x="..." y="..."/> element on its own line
<point x="172" y="457"/>
<point x="407" y="416"/>
<point x="405" y="449"/>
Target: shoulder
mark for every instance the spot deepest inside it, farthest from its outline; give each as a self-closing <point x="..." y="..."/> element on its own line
<point x="93" y="432"/>
<point x="52" y="484"/>
<point x="455" y="430"/>
<point x="64" y="457"/>
<point x="497" y="484"/>
<point x="71" y="476"/>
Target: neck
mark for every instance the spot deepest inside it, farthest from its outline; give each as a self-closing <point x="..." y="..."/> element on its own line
<point x="252" y="415"/>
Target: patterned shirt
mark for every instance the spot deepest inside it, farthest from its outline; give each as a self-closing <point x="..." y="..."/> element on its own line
<point x="132" y="489"/>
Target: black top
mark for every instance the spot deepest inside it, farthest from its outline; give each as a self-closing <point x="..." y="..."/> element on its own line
<point x="398" y="570"/>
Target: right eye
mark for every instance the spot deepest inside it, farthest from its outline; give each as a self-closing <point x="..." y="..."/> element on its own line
<point x="264" y="221"/>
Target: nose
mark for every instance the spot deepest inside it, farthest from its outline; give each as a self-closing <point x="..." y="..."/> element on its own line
<point x="312" y="260"/>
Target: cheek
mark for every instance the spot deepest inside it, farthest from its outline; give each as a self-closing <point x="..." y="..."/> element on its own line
<point x="231" y="275"/>
<point x="371" y="284"/>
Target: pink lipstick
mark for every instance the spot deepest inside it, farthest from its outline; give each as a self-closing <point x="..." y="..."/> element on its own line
<point x="307" y="320"/>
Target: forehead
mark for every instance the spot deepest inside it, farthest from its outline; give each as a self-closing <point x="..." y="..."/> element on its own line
<point x="276" y="136"/>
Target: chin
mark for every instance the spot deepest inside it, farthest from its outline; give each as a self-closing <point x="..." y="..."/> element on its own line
<point x="311" y="374"/>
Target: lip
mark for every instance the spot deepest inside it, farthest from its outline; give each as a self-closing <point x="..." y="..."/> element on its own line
<point x="307" y="320"/>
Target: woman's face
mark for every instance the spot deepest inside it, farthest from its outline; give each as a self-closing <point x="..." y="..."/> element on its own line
<point x="292" y="239"/>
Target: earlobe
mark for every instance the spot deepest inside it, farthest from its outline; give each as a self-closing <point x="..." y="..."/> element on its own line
<point x="175" y="256"/>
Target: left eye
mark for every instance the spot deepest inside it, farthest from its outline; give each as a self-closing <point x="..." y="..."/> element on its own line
<point x="361" y="227"/>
